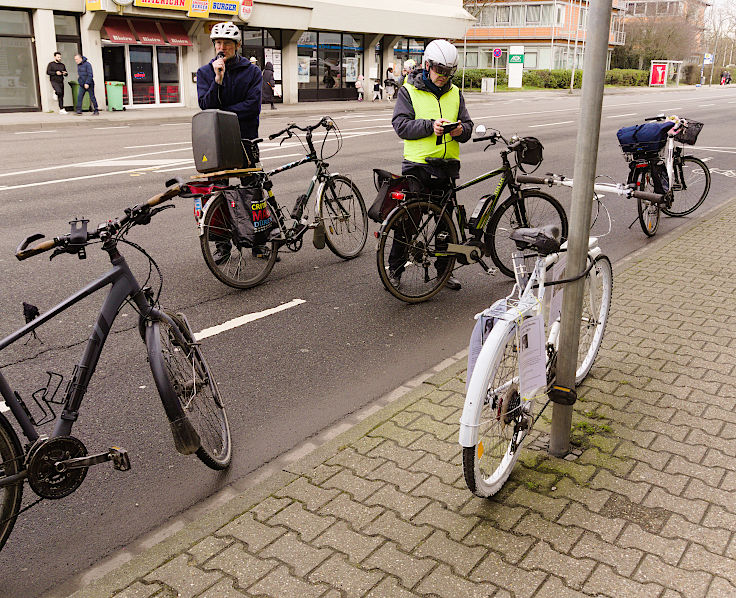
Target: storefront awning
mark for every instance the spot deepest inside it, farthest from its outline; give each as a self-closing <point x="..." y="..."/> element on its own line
<point x="175" y="33"/>
<point x="147" y="32"/>
<point x="118" y="31"/>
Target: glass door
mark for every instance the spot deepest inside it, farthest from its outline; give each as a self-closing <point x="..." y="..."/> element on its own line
<point x="167" y="59"/>
<point x="141" y="74"/>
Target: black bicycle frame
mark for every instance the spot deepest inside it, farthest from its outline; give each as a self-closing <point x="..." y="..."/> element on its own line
<point x="124" y="285"/>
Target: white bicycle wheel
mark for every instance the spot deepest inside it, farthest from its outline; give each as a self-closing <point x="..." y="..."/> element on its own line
<point x="502" y="419"/>
<point x="596" y="304"/>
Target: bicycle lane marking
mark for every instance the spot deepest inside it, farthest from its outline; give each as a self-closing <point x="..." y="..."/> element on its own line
<point x="245" y="319"/>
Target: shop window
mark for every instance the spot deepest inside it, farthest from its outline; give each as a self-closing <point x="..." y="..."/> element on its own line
<point x="141" y="74"/>
<point x="307" y="60"/>
<point x="328" y="58"/>
<point x="113" y="63"/>
<point x="14" y="22"/>
<point x="352" y="58"/>
<point x="66" y="25"/>
<point x="18" y="80"/>
<point x="167" y="60"/>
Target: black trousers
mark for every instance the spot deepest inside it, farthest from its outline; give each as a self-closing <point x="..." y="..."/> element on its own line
<point x="58" y="87"/>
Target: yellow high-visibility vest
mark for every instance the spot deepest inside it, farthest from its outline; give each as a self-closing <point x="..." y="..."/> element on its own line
<point x="429" y="106"/>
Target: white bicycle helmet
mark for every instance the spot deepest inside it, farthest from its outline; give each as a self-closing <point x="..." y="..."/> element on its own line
<point x="440" y="53"/>
<point x="410" y="64"/>
<point x="227" y="30"/>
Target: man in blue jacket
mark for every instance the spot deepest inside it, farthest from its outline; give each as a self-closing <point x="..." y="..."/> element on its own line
<point x="230" y="82"/>
<point x="86" y="84"/>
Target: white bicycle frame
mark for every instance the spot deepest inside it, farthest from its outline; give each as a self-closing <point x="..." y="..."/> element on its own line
<point x="521" y="305"/>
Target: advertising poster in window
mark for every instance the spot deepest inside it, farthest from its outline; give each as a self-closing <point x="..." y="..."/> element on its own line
<point x="303" y="69"/>
<point x="273" y="55"/>
<point x="351" y="69"/>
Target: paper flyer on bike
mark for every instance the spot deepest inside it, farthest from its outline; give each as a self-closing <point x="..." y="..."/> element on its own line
<point x="483" y="326"/>
<point x="532" y="362"/>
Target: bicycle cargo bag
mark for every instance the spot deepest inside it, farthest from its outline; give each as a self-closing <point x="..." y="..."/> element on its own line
<point x="649" y="137"/>
<point x="530" y="153"/>
<point x="660" y="180"/>
<point x="387" y="184"/>
<point x="689" y="131"/>
<point x="252" y="222"/>
<point x="216" y="141"/>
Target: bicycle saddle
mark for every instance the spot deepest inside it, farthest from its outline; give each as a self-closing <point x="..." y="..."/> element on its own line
<point x="544" y="239"/>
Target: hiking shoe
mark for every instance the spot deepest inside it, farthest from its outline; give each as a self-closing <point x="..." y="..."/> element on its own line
<point x="221" y="255"/>
<point x="453" y="284"/>
<point x="393" y="279"/>
<point x="96" y="113"/>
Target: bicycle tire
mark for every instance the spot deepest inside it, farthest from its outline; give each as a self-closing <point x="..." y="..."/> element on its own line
<point x="648" y="211"/>
<point x="241" y="269"/>
<point x="692" y="198"/>
<point x="11" y="459"/>
<point x="344" y="216"/>
<point x="504" y="420"/>
<point x="190" y="380"/>
<point x="597" y="295"/>
<point x="540" y="209"/>
<point x="413" y="228"/>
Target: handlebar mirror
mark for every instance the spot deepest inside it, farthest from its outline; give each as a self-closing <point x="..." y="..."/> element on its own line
<point x="480" y="130"/>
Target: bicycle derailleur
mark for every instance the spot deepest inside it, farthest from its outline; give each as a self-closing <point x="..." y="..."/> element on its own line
<point x="57" y="466"/>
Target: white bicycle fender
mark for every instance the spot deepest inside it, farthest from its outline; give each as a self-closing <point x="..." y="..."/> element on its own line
<point x="205" y="209"/>
<point x="475" y="396"/>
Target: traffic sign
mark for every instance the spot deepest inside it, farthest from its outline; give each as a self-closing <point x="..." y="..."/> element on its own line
<point x="708" y="58"/>
<point x="516" y="59"/>
<point x="497" y="52"/>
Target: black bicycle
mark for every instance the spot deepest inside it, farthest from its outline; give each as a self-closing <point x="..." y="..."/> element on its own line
<point x="55" y="465"/>
<point x="420" y="242"/>
<point x="339" y="219"/>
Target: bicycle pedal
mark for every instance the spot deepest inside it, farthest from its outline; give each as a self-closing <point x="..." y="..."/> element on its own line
<point x="119" y="458"/>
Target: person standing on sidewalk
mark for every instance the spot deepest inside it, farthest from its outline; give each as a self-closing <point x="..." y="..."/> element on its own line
<point x="426" y="102"/>
<point x="56" y="70"/>
<point x="267" y="90"/>
<point x="86" y="84"/>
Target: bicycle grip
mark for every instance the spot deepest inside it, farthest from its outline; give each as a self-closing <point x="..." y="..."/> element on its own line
<point x="653" y="197"/>
<point x="536" y="180"/>
<point x="162" y="197"/>
<point x="23" y="252"/>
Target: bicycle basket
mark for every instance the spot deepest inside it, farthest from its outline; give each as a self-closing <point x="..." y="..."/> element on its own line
<point x="689" y="131"/>
<point x="529" y="153"/>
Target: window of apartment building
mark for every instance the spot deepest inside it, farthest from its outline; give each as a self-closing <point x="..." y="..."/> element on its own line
<point x="503" y="14"/>
<point x="583" y="18"/>
<point x="517" y="14"/>
<point x="471" y="60"/>
<point x="533" y="14"/>
<point x="530" y="60"/>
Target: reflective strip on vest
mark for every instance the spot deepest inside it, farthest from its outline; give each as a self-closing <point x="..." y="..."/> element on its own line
<point x="428" y="106"/>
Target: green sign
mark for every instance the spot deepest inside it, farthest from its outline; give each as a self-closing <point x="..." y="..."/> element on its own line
<point x="516" y="59"/>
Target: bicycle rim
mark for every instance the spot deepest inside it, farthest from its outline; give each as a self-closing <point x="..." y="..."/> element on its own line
<point x="237" y="267"/>
<point x="11" y="458"/>
<point x="406" y="256"/>
<point x="596" y="305"/>
<point x="537" y="209"/>
<point x="197" y="393"/>
<point x="343" y="214"/>
<point x="691" y="189"/>
<point x="504" y="423"/>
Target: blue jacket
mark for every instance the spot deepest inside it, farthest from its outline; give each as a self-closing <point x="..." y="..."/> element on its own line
<point x="84" y="72"/>
<point x="240" y="92"/>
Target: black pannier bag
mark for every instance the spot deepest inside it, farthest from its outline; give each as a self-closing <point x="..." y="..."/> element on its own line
<point x="386" y="184"/>
<point x="530" y="152"/>
<point x="660" y="180"/>
<point x="216" y="141"/>
<point x="644" y="139"/>
<point x="252" y="222"/>
<point x="689" y="131"/>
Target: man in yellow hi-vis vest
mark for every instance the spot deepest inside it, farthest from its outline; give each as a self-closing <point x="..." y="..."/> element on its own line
<point x="426" y="102"/>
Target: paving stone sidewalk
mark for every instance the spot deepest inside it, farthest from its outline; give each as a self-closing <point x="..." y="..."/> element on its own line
<point x="647" y="506"/>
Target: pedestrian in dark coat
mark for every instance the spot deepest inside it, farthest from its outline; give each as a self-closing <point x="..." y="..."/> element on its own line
<point x="56" y="70"/>
<point x="86" y="84"/>
<point x="267" y="91"/>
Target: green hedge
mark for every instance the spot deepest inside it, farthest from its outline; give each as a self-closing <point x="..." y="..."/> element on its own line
<point x="554" y="79"/>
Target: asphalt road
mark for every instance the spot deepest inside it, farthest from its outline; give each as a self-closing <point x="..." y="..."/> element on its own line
<point x="286" y="376"/>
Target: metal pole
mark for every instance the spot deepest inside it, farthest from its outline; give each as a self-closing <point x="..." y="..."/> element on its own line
<point x="465" y="58"/>
<point x="586" y="156"/>
<point x="713" y="64"/>
<point x="575" y="49"/>
<point x="552" y="38"/>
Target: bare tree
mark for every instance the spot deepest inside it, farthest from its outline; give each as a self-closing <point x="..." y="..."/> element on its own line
<point x="656" y="38"/>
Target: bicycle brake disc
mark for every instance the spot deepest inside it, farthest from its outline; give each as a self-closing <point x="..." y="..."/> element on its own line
<point x="43" y="476"/>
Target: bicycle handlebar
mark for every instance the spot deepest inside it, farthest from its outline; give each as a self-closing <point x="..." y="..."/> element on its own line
<point x="658" y="117"/>
<point x="324" y="122"/>
<point x="534" y="180"/>
<point x="140" y="214"/>
<point x="653" y="197"/>
<point x="560" y="180"/>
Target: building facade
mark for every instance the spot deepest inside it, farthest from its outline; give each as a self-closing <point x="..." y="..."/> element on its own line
<point x="553" y="32"/>
<point x="690" y="11"/>
<point x="154" y="47"/>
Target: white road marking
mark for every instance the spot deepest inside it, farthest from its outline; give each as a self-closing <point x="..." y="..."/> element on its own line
<point x="164" y="162"/>
<point x="240" y="321"/>
<point x="705" y="105"/>
<point x="33" y="132"/>
<point x="158" y="145"/>
<point x="175" y="124"/>
<point x="119" y="127"/>
<point x="564" y="122"/>
<point x="621" y="115"/>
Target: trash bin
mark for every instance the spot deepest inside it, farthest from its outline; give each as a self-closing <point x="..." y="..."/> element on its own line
<point x="75" y="94"/>
<point x="488" y="85"/>
<point x="114" y="94"/>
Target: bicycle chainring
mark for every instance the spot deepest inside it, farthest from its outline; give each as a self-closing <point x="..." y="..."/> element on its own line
<point x="43" y="477"/>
